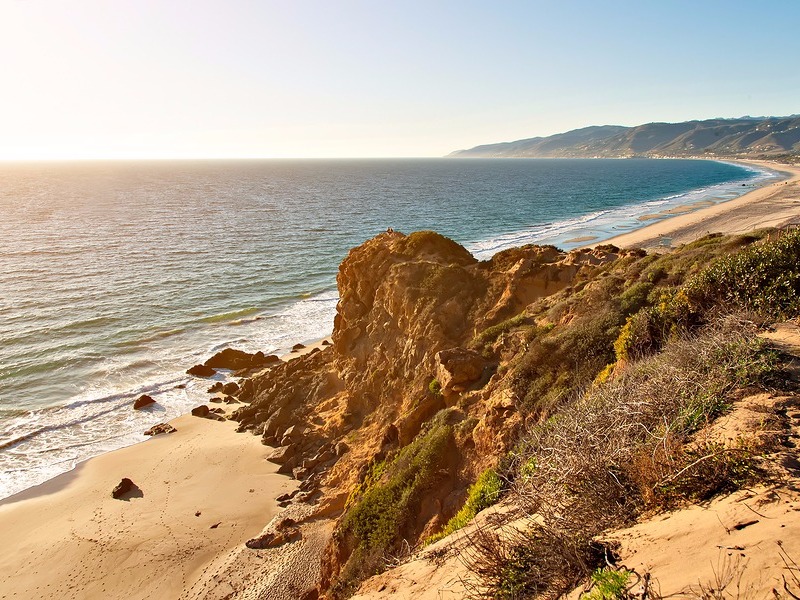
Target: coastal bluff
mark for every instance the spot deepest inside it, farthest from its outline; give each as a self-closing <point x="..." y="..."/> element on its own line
<point x="404" y="351"/>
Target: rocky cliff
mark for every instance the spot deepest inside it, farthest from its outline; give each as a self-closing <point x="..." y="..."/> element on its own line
<point x="406" y="373"/>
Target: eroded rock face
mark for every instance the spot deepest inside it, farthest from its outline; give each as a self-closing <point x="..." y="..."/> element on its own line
<point x="409" y="309"/>
<point x="458" y="368"/>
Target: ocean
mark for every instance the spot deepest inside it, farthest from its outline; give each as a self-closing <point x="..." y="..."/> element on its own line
<point x="115" y="277"/>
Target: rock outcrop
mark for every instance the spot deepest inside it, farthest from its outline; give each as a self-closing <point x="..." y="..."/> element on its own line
<point x="410" y="310"/>
<point x="142" y="401"/>
<point x="160" y="428"/>
<point x="125" y="486"/>
<point x="201" y="371"/>
<point x="236" y="360"/>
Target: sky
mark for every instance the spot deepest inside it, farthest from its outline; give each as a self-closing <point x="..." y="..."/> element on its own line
<point x="344" y="78"/>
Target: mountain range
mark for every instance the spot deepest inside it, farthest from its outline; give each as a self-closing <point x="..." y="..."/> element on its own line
<point x="747" y="136"/>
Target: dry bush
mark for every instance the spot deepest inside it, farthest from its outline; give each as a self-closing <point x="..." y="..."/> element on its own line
<point x="539" y="562"/>
<point x="619" y="449"/>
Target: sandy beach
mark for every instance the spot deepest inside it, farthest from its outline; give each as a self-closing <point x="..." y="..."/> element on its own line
<point x="773" y="205"/>
<point x="202" y="490"/>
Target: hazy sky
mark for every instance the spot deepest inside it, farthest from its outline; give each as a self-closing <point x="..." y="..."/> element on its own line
<point x="236" y="78"/>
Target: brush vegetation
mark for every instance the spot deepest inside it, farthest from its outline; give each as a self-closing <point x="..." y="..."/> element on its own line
<point x="613" y="377"/>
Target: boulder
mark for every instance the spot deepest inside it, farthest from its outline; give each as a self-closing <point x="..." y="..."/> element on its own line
<point x="237" y="360"/>
<point x="160" y="428"/>
<point x="215" y="387"/>
<point x="229" y="388"/>
<point x="297" y="347"/>
<point x="273" y="539"/>
<point x="123" y="487"/>
<point x="201" y="371"/>
<point x="142" y="401"/>
<point x="458" y="368"/>
<point x="281" y="454"/>
<point x="230" y="358"/>
<point x="201" y="411"/>
<point x="246" y="391"/>
<point x="261" y="360"/>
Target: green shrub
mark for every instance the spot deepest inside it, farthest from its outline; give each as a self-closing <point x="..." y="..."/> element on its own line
<point x="635" y="297"/>
<point x="435" y="388"/>
<point x="385" y="509"/>
<point x="608" y="584"/>
<point x="764" y="278"/>
<point x="490" y="334"/>
<point x="482" y="494"/>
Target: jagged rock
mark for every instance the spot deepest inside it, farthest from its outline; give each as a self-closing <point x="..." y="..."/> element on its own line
<point x="233" y="359"/>
<point x="246" y="390"/>
<point x="230" y="388"/>
<point x="201" y="371"/>
<point x="123" y="487"/>
<point x="457" y="368"/>
<point x="280" y="455"/>
<point x="160" y="428"/>
<point x="201" y="411"/>
<point x="142" y="401"/>
<point x="287" y="496"/>
<point x="294" y="432"/>
<point x="341" y="448"/>
<point x="229" y="399"/>
<point x="216" y="399"/>
<point x="298" y="347"/>
<point x="273" y="539"/>
<point x="217" y="386"/>
<point x="326" y="343"/>
<point x="217" y="410"/>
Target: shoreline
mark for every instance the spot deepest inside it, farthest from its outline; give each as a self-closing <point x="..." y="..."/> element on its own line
<point x="201" y="492"/>
<point x="205" y="489"/>
<point x="70" y="537"/>
<point x="774" y="204"/>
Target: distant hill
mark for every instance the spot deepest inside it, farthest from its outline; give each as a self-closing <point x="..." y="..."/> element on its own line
<point x="746" y="136"/>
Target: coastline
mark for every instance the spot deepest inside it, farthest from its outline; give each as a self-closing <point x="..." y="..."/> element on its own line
<point x="201" y="492"/>
<point x="775" y="204"/>
<point x="69" y="537"/>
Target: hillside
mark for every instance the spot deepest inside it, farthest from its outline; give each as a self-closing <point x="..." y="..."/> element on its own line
<point x="744" y="137"/>
<point x="582" y="387"/>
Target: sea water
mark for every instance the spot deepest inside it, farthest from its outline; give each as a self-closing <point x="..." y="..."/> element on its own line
<point x="115" y="277"/>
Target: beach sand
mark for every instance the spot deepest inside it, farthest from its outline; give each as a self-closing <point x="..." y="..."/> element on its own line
<point x="773" y="205"/>
<point x="68" y="538"/>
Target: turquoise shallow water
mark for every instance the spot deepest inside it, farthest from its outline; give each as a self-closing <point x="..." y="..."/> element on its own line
<point x="116" y="277"/>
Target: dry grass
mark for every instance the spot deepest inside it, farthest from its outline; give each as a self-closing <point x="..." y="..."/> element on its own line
<point x="618" y="450"/>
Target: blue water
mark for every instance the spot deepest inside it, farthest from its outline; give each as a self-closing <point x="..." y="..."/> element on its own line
<point x="117" y="277"/>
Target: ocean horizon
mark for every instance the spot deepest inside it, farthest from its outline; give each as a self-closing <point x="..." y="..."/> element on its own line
<point x="118" y="276"/>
